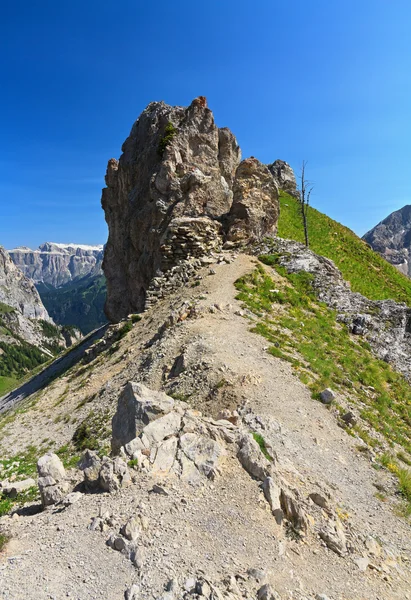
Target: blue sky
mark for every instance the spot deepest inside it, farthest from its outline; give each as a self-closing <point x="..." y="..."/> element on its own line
<point x="328" y="82"/>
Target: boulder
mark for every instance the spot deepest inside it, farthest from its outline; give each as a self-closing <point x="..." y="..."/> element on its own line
<point x="137" y="406"/>
<point x="12" y="489"/>
<point x="90" y="464"/>
<point x="327" y="396"/>
<point x="131" y="529"/>
<point x="114" y="474"/>
<point x="252" y="459"/>
<point x="52" y="483"/>
<point x="162" y="428"/>
<point x="49" y="465"/>
<point x="204" y="452"/>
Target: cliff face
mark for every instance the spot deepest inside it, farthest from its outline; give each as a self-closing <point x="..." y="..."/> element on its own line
<point x="22" y="313"/>
<point x="174" y="194"/>
<point x="17" y="291"/>
<point x="57" y="264"/>
<point x="392" y="239"/>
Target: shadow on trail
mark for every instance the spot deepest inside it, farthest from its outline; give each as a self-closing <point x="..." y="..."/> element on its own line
<point x="57" y="368"/>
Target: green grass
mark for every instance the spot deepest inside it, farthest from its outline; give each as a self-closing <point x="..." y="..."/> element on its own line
<point x="5" y="309"/>
<point x="93" y="432"/>
<point x="367" y="272"/>
<point x="305" y="332"/>
<point x="261" y="442"/>
<point x="7" y="384"/>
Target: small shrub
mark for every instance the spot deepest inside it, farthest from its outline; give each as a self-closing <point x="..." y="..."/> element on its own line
<point x="136" y="318"/>
<point x="133" y="463"/>
<point x="169" y="133"/>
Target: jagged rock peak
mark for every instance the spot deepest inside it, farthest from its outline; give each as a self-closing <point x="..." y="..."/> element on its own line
<point x="178" y="191"/>
<point x="284" y="177"/>
<point x="392" y="239"/>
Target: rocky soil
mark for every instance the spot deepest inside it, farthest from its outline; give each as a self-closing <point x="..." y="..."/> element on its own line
<point x="201" y="510"/>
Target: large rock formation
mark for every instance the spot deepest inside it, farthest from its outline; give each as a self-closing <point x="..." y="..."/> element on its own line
<point x="17" y="291"/>
<point x="170" y="197"/>
<point x="23" y="317"/>
<point x="56" y="264"/>
<point x="392" y="239"/>
<point x="284" y="177"/>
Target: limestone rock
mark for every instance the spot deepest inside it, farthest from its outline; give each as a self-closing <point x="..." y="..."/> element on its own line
<point x="133" y="593"/>
<point x="272" y="493"/>
<point x="113" y="475"/>
<point x="52" y="479"/>
<point x="12" y="489"/>
<point x="162" y="428"/>
<point x="177" y="194"/>
<point x="90" y="464"/>
<point x="176" y="164"/>
<point x="165" y="456"/>
<point x="137" y="407"/>
<point x="252" y="459"/>
<point x="334" y="536"/>
<point x="57" y="264"/>
<point x="284" y="177"/>
<point x="255" y="208"/>
<point x="132" y="529"/>
<point x="204" y="452"/>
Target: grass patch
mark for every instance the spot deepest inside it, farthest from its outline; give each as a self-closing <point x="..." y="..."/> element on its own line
<point x="367" y="272"/>
<point x="93" y="431"/>
<point x="261" y="442"/>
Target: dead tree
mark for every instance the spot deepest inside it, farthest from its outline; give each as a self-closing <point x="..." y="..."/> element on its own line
<point x="304" y="200"/>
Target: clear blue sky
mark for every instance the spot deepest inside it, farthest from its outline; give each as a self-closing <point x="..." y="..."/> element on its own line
<point x="320" y="80"/>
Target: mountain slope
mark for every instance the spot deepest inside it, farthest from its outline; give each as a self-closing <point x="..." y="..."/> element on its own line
<point x="79" y="303"/>
<point x="392" y="239"/>
<point x="222" y="528"/>
<point x="28" y="336"/>
<point x="368" y="273"/>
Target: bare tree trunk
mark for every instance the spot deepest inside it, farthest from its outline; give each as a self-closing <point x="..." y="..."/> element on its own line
<point x="305" y="193"/>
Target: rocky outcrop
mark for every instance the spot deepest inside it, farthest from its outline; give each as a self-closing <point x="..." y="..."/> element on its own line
<point x="56" y="264"/>
<point x="255" y="209"/>
<point x="176" y="194"/>
<point x="392" y="239"/>
<point x="284" y="177"/>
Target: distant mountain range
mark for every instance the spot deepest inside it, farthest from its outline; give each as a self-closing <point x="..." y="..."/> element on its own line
<point x="69" y="279"/>
<point x="57" y="264"/>
<point x="392" y="239"/>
